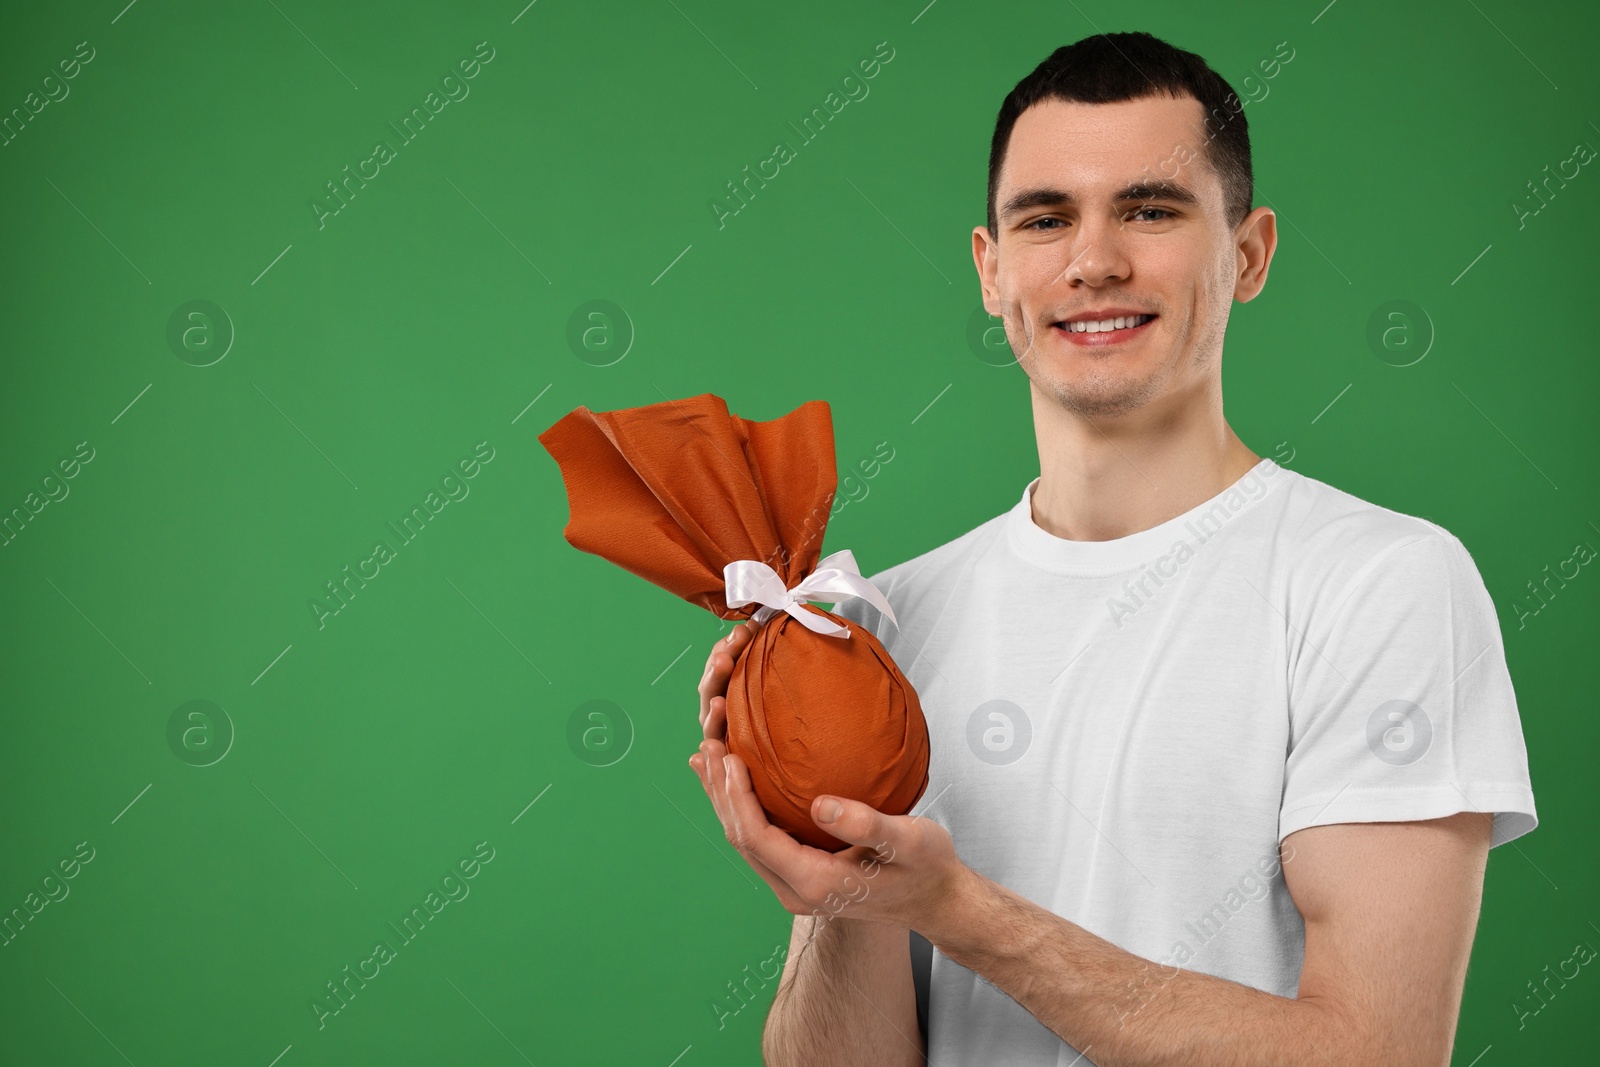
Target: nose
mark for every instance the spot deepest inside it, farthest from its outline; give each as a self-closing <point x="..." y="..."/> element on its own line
<point x="1097" y="254"/>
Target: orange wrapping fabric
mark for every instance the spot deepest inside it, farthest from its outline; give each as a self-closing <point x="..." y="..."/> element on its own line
<point x="675" y="491"/>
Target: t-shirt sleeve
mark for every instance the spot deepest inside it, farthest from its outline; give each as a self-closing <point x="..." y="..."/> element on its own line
<point x="1400" y="704"/>
<point x="860" y="612"/>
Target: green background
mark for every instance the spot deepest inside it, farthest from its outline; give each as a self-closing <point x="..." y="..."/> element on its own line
<point x="365" y="757"/>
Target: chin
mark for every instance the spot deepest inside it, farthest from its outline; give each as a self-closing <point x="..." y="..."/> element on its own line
<point x="1100" y="396"/>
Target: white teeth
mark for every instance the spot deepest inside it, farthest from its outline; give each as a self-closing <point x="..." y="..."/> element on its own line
<point x="1104" y="325"/>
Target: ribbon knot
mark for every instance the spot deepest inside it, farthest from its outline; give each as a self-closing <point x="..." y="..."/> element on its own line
<point x="750" y="581"/>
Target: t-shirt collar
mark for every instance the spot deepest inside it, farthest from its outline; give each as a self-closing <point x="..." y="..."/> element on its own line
<point x="1095" y="558"/>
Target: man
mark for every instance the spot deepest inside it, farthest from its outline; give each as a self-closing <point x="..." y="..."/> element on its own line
<point x="1217" y="749"/>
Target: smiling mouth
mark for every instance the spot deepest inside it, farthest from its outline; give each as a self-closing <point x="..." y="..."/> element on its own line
<point x="1131" y="322"/>
<point x="1106" y="335"/>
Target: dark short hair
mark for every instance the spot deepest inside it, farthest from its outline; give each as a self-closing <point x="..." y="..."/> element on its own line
<point x="1112" y="67"/>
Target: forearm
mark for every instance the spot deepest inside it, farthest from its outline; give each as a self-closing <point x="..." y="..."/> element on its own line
<point x="846" y="999"/>
<point x="1119" y="1009"/>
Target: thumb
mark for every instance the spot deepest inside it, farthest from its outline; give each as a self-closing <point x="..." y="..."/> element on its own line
<point x="848" y="820"/>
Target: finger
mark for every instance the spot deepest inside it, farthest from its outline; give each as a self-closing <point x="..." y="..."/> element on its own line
<point x="733" y="828"/>
<point x="698" y="763"/>
<point x="858" y="824"/>
<point x="711" y="764"/>
<point x="719" y="666"/>
<point x="707" y="685"/>
<point x="712" y="679"/>
<point x="751" y="821"/>
<point x="715" y="723"/>
<point x="756" y="837"/>
<point x="715" y="751"/>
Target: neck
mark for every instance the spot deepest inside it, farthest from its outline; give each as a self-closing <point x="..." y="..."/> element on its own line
<point x="1107" y="477"/>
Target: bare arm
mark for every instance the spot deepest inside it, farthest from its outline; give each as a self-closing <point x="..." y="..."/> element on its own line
<point x="846" y="995"/>
<point x="1390" y="910"/>
<point x="846" y="998"/>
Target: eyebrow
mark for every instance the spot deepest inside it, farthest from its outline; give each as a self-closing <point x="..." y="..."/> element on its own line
<point x="1028" y="199"/>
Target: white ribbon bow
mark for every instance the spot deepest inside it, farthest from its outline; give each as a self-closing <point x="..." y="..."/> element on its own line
<point x="750" y="581"/>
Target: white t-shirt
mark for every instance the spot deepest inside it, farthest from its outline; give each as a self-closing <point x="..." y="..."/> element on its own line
<point x="1123" y="731"/>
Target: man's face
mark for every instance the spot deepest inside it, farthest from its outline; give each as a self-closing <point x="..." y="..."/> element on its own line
<point x="1105" y="210"/>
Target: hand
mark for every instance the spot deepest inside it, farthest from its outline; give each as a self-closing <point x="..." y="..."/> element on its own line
<point x="714" y="725"/>
<point x="899" y="869"/>
<point x="714" y="682"/>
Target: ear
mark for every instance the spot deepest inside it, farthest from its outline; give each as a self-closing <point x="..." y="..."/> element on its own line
<point x="1255" y="239"/>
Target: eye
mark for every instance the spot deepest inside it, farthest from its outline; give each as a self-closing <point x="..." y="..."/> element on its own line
<point x="1036" y="222"/>
<point x="1157" y="210"/>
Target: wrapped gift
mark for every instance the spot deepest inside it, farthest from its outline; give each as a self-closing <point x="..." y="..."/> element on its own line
<point x="729" y="514"/>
